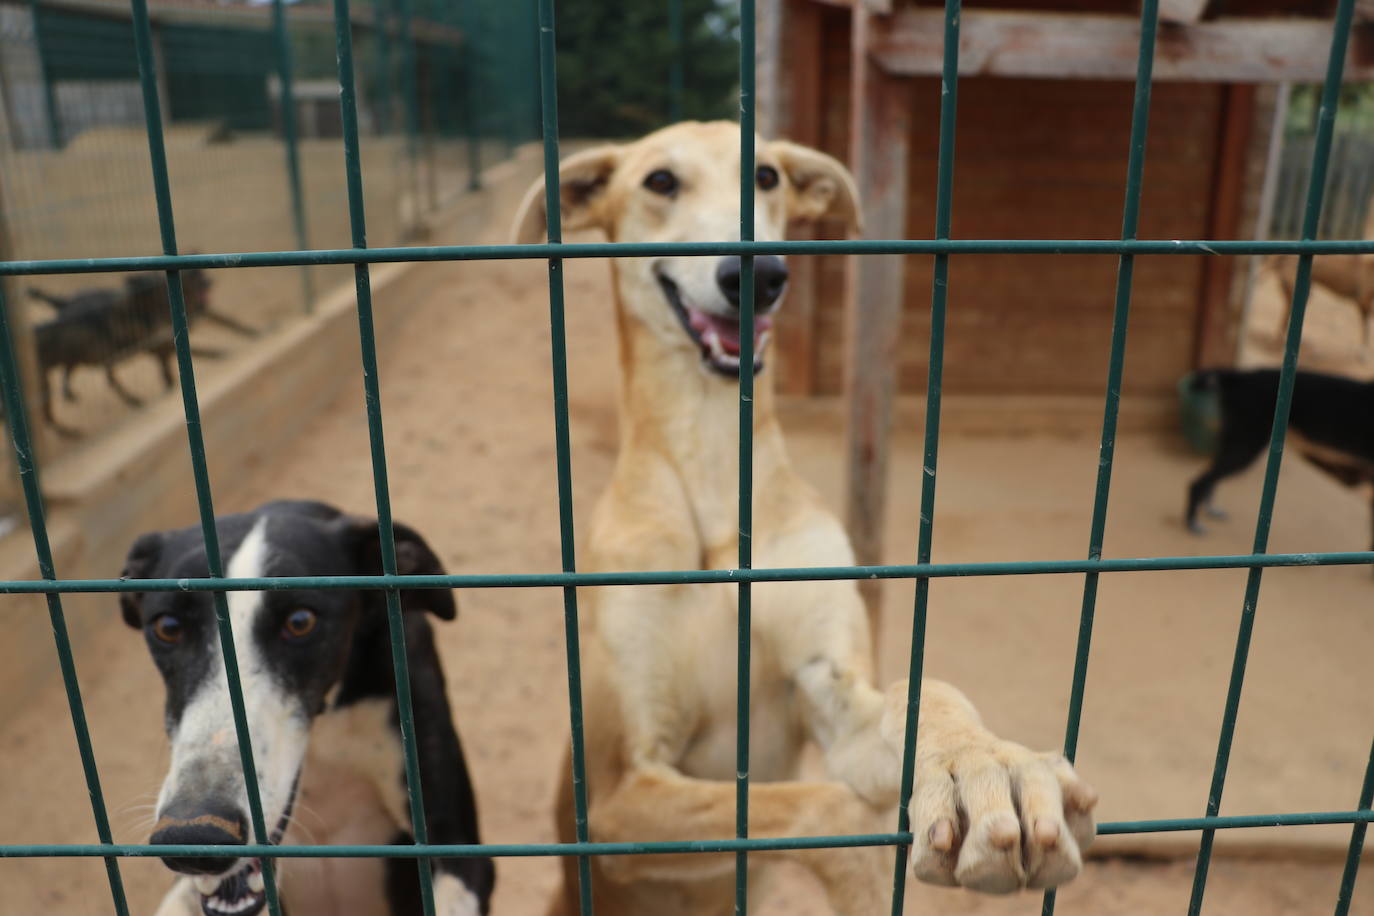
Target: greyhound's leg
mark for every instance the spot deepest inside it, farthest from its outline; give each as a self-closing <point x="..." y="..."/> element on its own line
<point x="181" y="900"/>
<point x="986" y="814"/>
<point x="67" y="393"/>
<point x="657" y="803"/>
<point x="45" y="393"/>
<point x="120" y="389"/>
<point x="208" y="352"/>
<point x="164" y="361"/>
<point x="1232" y="456"/>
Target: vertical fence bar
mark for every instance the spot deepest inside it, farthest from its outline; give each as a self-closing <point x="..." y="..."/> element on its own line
<point x="1357" y="832"/>
<point x="939" y="294"/>
<point x="1321" y="154"/>
<point x="677" y="62"/>
<point x="52" y="116"/>
<point x="17" y="419"/>
<point x="157" y="153"/>
<point x="1125" y="270"/>
<point x="746" y="444"/>
<point x="288" y="129"/>
<point x="348" y="105"/>
<point x="548" y="106"/>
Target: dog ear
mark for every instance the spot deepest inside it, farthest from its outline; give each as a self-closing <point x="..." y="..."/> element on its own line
<point x="143" y="556"/>
<point x="582" y="180"/>
<point x="820" y="187"/>
<point x="414" y="557"/>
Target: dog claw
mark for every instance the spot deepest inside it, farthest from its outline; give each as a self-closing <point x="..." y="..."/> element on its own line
<point x="1195" y="527"/>
<point x="941" y="836"/>
<point x="1214" y="512"/>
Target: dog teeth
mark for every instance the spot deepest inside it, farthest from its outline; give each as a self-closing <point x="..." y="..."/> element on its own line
<point x="255" y="882"/>
<point x="206" y="884"/>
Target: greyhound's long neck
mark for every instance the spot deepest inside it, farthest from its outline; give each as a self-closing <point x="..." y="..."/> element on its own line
<point x="674" y="412"/>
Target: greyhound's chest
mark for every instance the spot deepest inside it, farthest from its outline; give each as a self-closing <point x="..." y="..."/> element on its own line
<point x="775" y="733"/>
<point x="350" y="791"/>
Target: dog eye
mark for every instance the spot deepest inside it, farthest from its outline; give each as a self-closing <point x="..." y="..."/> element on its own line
<point x="767" y="177"/>
<point x="662" y="182"/>
<point x="167" y="629"/>
<point x="299" y="623"/>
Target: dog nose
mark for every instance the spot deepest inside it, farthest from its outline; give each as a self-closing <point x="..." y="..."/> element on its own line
<point x="770" y="276"/>
<point x="200" y="825"/>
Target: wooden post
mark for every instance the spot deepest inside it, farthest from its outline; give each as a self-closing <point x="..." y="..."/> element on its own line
<point x="879" y="132"/>
<point x="769" y="108"/>
<point x="1228" y="183"/>
<point x="798" y="114"/>
<point x="1268" y="193"/>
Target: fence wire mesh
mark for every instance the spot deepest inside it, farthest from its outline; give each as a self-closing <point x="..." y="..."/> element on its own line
<point x="250" y="98"/>
<point x="230" y="85"/>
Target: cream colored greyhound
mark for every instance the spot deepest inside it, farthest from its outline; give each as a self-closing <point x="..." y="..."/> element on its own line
<point x="659" y="661"/>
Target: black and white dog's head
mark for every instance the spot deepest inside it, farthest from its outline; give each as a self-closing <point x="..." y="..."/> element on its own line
<point x="293" y="650"/>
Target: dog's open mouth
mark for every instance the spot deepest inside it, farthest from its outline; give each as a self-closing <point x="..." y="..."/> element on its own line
<point x="717" y="336"/>
<point x="243" y="892"/>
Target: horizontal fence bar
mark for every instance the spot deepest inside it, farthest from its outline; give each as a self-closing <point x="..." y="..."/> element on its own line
<point x="681" y="577"/>
<point x="756" y="844"/>
<point x="1235" y="822"/>
<point x="328" y="256"/>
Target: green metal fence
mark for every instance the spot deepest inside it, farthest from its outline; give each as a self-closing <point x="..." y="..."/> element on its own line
<point x="252" y="120"/>
<point x="555" y="252"/>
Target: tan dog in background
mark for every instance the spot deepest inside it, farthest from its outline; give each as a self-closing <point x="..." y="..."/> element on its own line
<point x="1347" y="275"/>
<point x="659" y="661"/>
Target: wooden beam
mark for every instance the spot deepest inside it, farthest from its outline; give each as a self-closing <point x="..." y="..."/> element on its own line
<point x="1182" y="11"/>
<point x="1210" y="344"/>
<point x="993" y="43"/>
<point x="769" y="63"/>
<point x="801" y="85"/>
<point x="879" y="132"/>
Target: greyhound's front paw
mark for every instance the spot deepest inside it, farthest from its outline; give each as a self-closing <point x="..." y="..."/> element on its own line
<point x="993" y="816"/>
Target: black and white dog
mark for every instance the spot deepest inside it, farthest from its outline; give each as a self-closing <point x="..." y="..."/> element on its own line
<point x="1331" y="424"/>
<point x="320" y="697"/>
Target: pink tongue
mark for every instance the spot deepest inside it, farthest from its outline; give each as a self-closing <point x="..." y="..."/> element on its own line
<point x="727" y="331"/>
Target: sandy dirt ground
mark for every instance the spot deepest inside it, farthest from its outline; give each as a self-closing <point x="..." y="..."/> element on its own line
<point x="470" y="445"/>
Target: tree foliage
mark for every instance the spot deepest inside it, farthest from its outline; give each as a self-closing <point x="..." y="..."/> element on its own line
<point x="615" y="59"/>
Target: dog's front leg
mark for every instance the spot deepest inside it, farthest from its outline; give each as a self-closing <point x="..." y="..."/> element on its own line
<point x="986" y="814"/>
<point x="658" y="803"/>
<point x="181" y="900"/>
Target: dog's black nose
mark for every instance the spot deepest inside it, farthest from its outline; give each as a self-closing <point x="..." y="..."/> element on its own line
<point x="770" y="276"/>
<point x="200" y="825"/>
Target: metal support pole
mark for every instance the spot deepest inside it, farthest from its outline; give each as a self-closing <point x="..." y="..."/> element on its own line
<point x="288" y="127"/>
<point x="52" y="116"/>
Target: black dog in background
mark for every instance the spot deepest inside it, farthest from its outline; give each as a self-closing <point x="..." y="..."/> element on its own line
<point x="102" y="327"/>
<point x="1331" y="424"/>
